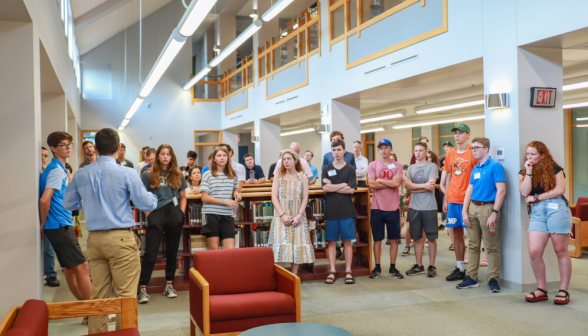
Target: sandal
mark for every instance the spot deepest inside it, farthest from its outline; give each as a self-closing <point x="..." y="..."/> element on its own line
<point x="484" y="263"/>
<point x="535" y="298"/>
<point x="330" y="281"/>
<point x="349" y="281"/>
<point x="406" y="251"/>
<point x="452" y="247"/>
<point x="566" y="297"/>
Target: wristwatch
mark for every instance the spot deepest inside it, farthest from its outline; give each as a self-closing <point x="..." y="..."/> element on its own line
<point x="536" y="197"/>
<point x="495" y="211"/>
<point x="529" y="174"/>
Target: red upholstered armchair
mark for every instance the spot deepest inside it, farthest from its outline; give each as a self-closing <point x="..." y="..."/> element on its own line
<point x="579" y="230"/>
<point x="239" y="289"/>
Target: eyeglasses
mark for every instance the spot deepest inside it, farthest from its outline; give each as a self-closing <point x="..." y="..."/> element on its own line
<point x="476" y="148"/>
<point x="65" y="146"/>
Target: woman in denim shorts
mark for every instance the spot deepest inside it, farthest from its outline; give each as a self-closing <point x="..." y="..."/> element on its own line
<point x="542" y="183"/>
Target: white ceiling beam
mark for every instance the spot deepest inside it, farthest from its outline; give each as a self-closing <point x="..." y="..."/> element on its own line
<point x="97" y="13"/>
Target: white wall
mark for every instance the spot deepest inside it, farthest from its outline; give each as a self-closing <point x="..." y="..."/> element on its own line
<point x="308" y="141"/>
<point x="171" y="118"/>
<point x="401" y="143"/>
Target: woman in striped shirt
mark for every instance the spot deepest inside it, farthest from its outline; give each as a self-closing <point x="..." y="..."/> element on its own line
<point x="218" y="188"/>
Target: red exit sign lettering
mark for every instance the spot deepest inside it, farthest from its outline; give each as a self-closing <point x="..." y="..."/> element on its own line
<point x="543" y="97"/>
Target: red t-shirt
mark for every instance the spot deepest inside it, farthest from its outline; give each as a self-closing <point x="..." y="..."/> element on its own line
<point x="459" y="166"/>
<point x="385" y="199"/>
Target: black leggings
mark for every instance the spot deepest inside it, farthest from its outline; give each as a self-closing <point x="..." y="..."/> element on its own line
<point x="168" y="219"/>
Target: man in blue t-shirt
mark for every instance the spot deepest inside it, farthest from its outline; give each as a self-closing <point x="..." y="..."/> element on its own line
<point x="308" y="156"/>
<point x="348" y="157"/>
<point x="253" y="173"/>
<point x="481" y="211"/>
<point x="56" y="221"/>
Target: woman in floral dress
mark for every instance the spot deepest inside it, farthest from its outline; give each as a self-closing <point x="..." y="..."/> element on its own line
<point x="289" y="233"/>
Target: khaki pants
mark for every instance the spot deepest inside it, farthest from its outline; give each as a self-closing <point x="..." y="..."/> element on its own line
<point x="114" y="264"/>
<point x="478" y="218"/>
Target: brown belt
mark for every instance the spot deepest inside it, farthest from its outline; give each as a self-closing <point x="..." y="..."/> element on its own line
<point x="121" y="229"/>
<point x="482" y="203"/>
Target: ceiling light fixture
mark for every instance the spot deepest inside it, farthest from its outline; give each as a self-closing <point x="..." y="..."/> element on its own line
<point x="575" y="105"/>
<point x="244" y="36"/>
<point x="581" y="125"/>
<point x="580" y="119"/>
<point x="134" y="107"/>
<point x="439" y="122"/>
<point x="125" y="123"/>
<point x="275" y="9"/>
<point x="198" y="77"/>
<point x="575" y="86"/>
<point x="304" y="130"/>
<point x="399" y="114"/>
<point x="379" y="129"/>
<point x="450" y="105"/>
<point x="194" y="16"/>
<point x="253" y="13"/>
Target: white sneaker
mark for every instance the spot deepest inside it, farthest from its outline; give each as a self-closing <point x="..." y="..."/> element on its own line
<point x="169" y="291"/>
<point x="143" y="297"/>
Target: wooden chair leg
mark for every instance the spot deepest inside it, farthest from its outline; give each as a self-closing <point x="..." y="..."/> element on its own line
<point x="192" y="328"/>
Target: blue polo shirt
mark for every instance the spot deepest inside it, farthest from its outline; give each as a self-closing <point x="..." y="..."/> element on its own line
<point x="55" y="177"/>
<point x="484" y="178"/>
<point x="314" y="171"/>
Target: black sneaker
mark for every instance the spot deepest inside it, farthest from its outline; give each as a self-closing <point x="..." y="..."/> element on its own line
<point x="441" y="227"/>
<point x="52" y="282"/>
<point x="431" y="271"/>
<point x="395" y="273"/>
<point x="456" y="275"/>
<point x="416" y="269"/>
<point x="375" y="273"/>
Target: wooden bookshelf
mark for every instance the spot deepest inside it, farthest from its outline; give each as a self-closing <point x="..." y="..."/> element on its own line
<point x="362" y="256"/>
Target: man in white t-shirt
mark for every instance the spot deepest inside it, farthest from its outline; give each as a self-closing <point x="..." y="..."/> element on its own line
<point x="295" y="146"/>
<point x="361" y="163"/>
<point x="239" y="168"/>
<point x="144" y="162"/>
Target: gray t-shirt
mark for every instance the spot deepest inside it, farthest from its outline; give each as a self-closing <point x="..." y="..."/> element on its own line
<point x="165" y="194"/>
<point x="421" y="175"/>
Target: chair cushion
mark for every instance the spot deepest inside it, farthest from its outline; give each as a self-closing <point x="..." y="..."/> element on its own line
<point x="34" y="318"/>
<point x="18" y="332"/>
<point x="582" y="211"/>
<point x="251" y="305"/>
<point x="236" y="271"/>
<point x="123" y="332"/>
<point x="220" y="327"/>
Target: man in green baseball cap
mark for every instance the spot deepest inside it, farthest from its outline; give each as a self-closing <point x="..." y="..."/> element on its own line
<point x="461" y="127"/>
<point x="459" y="163"/>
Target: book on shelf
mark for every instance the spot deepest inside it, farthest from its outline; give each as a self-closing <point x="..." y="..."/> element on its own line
<point x="262" y="211"/>
<point x="318" y="207"/>
<point x="194" y="214"/>
<point x="240" y="237"/>
<point x="260" y="236"/>
<point x="198" y="243"/>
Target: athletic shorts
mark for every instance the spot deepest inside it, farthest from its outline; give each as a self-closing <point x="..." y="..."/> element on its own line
<point x="423" y="219"/>
<point x="454" y="218"/>
<point x="341" y="227"/>
<point x="66" y="246"/>
<point x="381" y="220"/>
<point x="221" y="226"/>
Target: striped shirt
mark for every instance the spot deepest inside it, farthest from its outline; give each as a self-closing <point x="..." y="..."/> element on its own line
<point x="220" y="187"/>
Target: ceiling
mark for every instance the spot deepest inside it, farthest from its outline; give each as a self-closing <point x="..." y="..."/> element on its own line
<point x="14" y="10"/>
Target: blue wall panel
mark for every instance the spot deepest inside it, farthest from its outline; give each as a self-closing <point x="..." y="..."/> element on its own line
<point x="287" y="78"/>
<point x="397" y="28"/>
<point x="236" y="101"/>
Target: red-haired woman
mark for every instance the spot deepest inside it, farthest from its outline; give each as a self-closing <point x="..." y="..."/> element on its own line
<point x="542" y="183"/>
<point x="166" y="181"/>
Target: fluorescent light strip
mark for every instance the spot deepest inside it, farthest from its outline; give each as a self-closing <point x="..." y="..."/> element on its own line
<point x="134" y="107"/>
<point x="379" y="129"/>
<point x="583" y="104"/>
<point x="575" y="86"/>
<point x="125" y="122"/>
<point x="275" y="9"/>
<point x="439" y="122"/>
<point x="196" y="78"/>
<point x="172" y="48"/>
<point x="580" y="119"/>
<point x="120" y="128"/>
<point x="451" y="107"/>
<point x="306" y="130"/>
<point x="581" y="125"/>
<point x="194" y="15"/>
<point x="245" y="35"/>
<point x="391" y="116"/>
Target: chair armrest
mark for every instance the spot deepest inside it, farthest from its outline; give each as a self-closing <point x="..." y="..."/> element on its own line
<point x="127" y="306"/>
<point x="199" y="301"/>
<point x="573" y="209"/>
<point x="8" y="320"/>
<point x="289" y="283"/>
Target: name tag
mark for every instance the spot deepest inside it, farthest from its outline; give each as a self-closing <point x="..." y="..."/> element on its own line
<point x="332" y="172"/>
<point x="552" y="206"/>
<point x="391" y="166"/>
<point x="175" y="201"/>
<point x="476" y="176"/>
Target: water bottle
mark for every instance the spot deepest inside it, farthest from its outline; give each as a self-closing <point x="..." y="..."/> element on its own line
<point x="492" y="228"/>
<point x="252" y="174"/>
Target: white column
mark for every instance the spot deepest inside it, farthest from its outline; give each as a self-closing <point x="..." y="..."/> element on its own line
<point x="72" y="129"/>
<point x="268" y="148"/>
<point x="513" y="70"/>
<point x="20" y="117"/>
<point x="345" y="118"/>
<point x="232" y="140"/>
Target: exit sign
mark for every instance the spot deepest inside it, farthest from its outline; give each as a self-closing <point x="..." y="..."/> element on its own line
<point x="543" y="97"/>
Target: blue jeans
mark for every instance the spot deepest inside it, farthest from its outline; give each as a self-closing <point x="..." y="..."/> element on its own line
<point x="48" y="259"/>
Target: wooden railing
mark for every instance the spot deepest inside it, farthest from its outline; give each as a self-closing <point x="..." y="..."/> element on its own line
<point x="238" y="78"/>
<point x="297" y="42"/>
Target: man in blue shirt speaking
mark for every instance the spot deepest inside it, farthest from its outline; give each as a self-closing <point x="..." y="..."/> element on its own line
<point x="104" y="189"/>
<point x="481" y="211"/>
